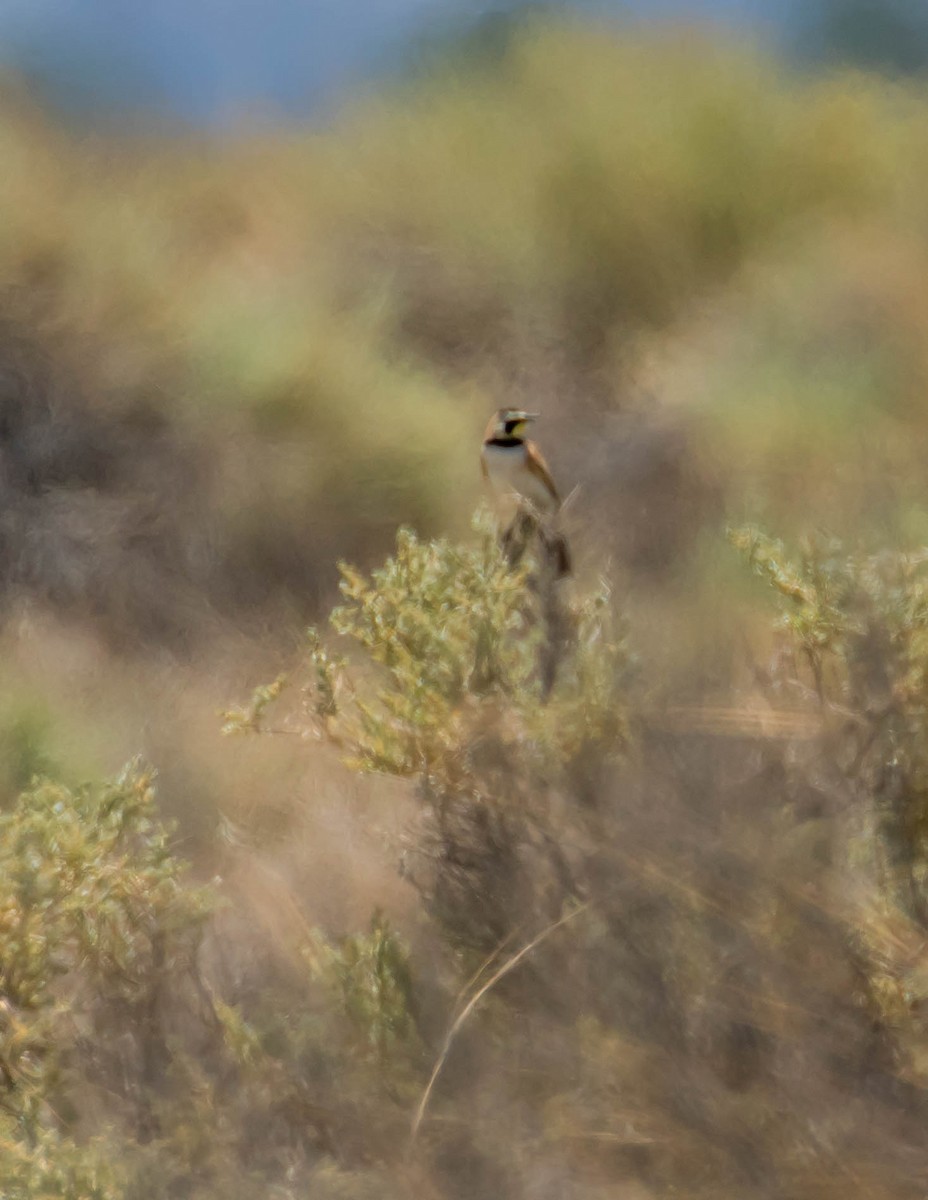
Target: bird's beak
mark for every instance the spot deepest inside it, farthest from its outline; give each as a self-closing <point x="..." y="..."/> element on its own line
<point x="524" y="416"/>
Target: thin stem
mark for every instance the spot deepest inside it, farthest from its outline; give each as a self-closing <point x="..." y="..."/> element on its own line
<point x="469" y="1007"/>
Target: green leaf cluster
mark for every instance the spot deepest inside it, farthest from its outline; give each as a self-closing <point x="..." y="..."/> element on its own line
<point x="452" y="639"/>
<point x="94" y="916"/>
<point x="370" y="978"/>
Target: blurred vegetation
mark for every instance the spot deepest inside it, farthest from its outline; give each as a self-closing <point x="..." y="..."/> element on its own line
<point x="124" y="1073"/>
<point x="458" y="703"/>
<point x="860" y="624"/>
<point x="657" y="930"/>
<point x="737" y="1002"/>
<point x="240" y="360"/>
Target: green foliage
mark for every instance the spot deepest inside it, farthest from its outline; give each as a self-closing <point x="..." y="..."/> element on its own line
<point x="50" y="1166"/>
<point x="248" y="719"/>
<point x="819" y="588"/>
<point x="445" y="623"/>
<point x="102" y="1003"/>
<point x="860" y="621"/>
<point x="455" y="636"/>
<point x="370" y="977"/>
<point x="89" y="890"/>
<point x="861" y="617"/>
<point x="93" y="917"/>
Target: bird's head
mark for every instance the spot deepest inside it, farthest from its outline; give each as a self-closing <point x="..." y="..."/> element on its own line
<point x="511" y="423"/>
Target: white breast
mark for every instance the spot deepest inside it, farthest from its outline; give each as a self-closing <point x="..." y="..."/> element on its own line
<point x="509" y="475"/>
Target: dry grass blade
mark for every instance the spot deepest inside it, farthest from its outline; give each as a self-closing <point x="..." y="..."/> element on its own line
<point x="469" y="1007"/>
<point x="766" y="723"/>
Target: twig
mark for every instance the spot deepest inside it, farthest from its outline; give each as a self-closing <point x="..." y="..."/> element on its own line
<point x="469" y="1008"/>
<point x="485" y="965"/>
<point x="570" y="498"/>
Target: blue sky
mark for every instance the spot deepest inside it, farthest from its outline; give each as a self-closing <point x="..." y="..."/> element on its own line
<point x="213" y="61"/>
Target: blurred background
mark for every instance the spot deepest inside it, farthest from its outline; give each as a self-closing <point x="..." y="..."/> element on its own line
<point x="217" y="64"/>
<point x="265" y="269"/>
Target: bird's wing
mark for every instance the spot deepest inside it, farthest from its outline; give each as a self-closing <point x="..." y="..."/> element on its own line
<point x="535" y="461"/>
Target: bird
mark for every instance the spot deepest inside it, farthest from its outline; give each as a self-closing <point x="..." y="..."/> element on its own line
<point x="515" y="467"/>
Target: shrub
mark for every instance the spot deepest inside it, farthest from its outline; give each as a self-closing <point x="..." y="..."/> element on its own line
<point x="859" y="622"/>
<point x="94" y="922"/>
<point x="450" y="691"/>
<point x="124" y="1073"/>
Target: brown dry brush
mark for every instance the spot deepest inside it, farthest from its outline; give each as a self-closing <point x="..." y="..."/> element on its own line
<point x="659" y="954"/>
<point x="704" y="1027"/>
<point x="688" y="975"/>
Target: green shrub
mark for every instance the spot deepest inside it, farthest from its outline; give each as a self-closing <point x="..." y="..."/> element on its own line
<point x="94" y="919"/>
<point x="125" y="1073"/>
<point x="450" y="690"/>
<point x="859" y="624"/>
<point x="454" y="638"/>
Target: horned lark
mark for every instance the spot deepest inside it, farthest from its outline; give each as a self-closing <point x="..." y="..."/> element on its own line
<point x="515" y="467"/>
